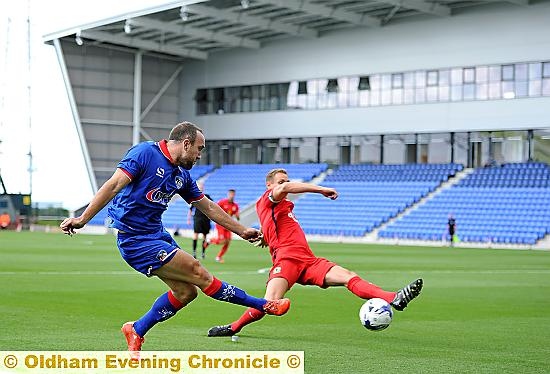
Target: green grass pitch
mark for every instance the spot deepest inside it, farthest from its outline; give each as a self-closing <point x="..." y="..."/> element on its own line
<point x="481" y="311"/>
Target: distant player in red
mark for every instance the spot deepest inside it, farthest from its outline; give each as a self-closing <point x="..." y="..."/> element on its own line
<point x="229" y="206"/>
<point x="293" y="260"/>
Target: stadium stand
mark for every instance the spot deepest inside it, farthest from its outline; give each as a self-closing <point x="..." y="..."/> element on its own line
<point x="247" y="179"/>
<point x="497" y="204"/>
<point x="199" y="171"/>
<point x="369" y="195"/>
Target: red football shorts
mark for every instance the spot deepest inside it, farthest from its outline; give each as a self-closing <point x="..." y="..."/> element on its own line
<point x="223" y="233"/>
<point x="310" y="271"/>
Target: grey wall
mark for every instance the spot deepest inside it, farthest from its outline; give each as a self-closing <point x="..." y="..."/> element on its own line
<point x="103" y="85"/>
<point x="489" y="35"/>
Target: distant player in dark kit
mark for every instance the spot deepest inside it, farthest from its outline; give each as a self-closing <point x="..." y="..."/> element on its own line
<point x="143" y="184"/>
<point x="451" y="229"/>
<point x="201" y="225"/>
<point x="293" y="260"/>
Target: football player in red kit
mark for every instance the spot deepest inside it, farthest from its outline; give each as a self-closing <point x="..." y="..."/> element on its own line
<point x="229" y="206"/>
<point x="293" y="260"/>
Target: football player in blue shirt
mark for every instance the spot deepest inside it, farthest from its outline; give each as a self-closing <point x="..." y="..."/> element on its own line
<point x="141" y="187"/>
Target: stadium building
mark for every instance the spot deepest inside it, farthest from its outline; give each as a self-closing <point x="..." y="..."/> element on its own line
<point x="413" y="110"/>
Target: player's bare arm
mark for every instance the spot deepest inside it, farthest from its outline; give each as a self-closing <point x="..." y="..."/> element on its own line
<point x="216" y="214"/>
<point x="281" y="190"/>
<point x="105" y="194"/>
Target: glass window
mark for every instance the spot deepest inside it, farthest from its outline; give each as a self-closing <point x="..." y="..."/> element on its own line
<point x="386" y="97"/>
<point x="469" y="75"/>
<point x="521" y="72"/>
<point x="468" y="91"/>
<point x="535" y="70"/>
<point x="521" y="88"/>
<point x="420" y="95"/>
<point x="482" y="74"/>
<point x="386" y="81"/>
<point x="456" y="76"/>
<point x="444" y="93"/>
<point x="456" y="93"/>
<point x="482" y="91"/>
<point x="408" y="80"/>
<point x="494" y="90"/>
<point x="397" y="80"/>
<point x="546" y="86"/>
<point x="444" y="77"/>
<point x="397" y="96"/>
<point x="495" y="73"/>
<point x="508" y="90"/>
<point x="375" y="82"/>
<point x="507" y="72"/>
<point x="535" y="87"/>
<point x="375" y="98"/>
<point x="408" y="96"/>
<point x="420" y="79"/>
<point x="431" y="94"/>
<point x="364" y="96"/>
<point x="546" y="69"/>
<point x="433" y="78"/>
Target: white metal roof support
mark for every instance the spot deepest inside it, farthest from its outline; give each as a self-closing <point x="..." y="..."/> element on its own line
<point x="76" y="115"/>
<point x="137" y="98"/>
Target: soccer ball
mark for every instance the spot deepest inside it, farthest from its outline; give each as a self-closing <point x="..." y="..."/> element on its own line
<point x="376" y="314"/>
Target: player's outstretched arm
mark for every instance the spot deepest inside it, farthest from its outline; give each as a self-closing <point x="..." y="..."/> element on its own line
<point x="105" y="194"/>
<point x="280" y="191"/>
<point x="218" y="215"/>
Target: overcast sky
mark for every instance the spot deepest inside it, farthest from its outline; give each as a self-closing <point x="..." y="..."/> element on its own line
<point x="59" y="174"/>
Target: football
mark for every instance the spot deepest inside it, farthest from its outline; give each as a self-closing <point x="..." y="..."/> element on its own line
<point x="376" y="314"/>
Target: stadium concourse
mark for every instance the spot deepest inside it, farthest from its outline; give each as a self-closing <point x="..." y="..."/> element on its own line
<point x="498" y="206"/>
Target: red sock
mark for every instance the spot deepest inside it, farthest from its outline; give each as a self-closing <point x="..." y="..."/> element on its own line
<point x="367" y="290"/>
<point x="249" y="316"/>
<point x="223" y="250"/>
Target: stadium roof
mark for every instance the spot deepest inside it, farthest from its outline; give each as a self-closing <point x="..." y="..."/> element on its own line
<point x="196" y="29"/>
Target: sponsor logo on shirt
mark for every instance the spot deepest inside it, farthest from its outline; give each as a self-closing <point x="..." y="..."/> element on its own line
<point x="179" y="182"/>
<point x="157" y="196"/>
<point x="160" y="172"/>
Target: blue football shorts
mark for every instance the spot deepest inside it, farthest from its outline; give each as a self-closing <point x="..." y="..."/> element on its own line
<point x="147" y="252"/>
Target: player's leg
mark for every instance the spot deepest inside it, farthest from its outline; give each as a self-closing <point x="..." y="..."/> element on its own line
<point x="225" y="246"/>
<point x="183" y="267"/>
<point x="276" y="289"/>
<point x="164" y="307"/>
<point x="282" y="276"/>
<point x="205" y="244"/>
<point x="339" y="276"/>
<point x="195" y="238"/>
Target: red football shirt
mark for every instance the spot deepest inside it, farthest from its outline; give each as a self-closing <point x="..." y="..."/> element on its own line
<point x="228" y="207"/>
<point x="281" y="229"/>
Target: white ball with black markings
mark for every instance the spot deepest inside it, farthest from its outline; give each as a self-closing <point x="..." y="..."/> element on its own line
<point x="376" y="314"/>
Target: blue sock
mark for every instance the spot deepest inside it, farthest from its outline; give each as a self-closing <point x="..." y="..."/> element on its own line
<point x="226" y="292"/>
<point x="163" y="308"/>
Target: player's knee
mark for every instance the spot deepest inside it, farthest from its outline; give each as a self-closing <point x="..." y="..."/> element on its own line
<point x="185" y="294"/>
<point x="200" y="274"/>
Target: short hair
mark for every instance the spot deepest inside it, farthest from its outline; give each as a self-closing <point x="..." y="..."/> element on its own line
<point x="185" y="130"/>
<point x="272" y="172"/>
<point x="231" y="190"/>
